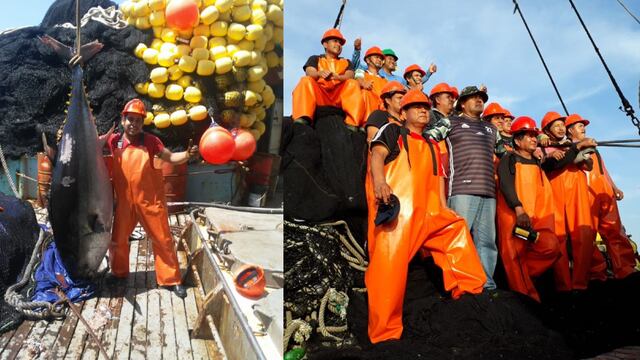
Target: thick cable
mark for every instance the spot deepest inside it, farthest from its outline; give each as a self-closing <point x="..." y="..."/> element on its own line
<point x="517" y="8"/>
<point x="626" y="106"/>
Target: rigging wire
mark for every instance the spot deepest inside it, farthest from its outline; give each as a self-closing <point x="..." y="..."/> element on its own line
<point x="517" y="8"/>
<point x="336" y="25"/>
<point x="628" y="11"/>
<point x="626" y="106"/>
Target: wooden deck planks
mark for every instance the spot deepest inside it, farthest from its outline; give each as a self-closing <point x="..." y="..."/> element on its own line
<point x="80" y="336"/>
<point x="139" y="330"/>
<point x="167" y="328"/>
<point x="37" y="331"/>
<point x="15" y="344"/>
<point x="123" y="339"/>
<point x="182" y="331"/>
<point x="154" y="338"/>
<point x="141" y="264"/>
<point x="111" y="330"/>
<point x="65" y="334"/>
<point x="198" y="346"/>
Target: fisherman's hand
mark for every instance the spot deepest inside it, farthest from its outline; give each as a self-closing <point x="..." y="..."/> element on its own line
<point x="75" y="60"/>
<point x="544" y="140"/>
<point x="522" y="219"/>
<point x="433" y="68"/>
<point x="192" y="151"/>
<point x="586" y="143"/>
<point x="357" y="44"/>
<point x="483" y="88"/>
<point x="367" y="85"/>
<point x="538" y="154"/>
<point x="558" y="155"/>
<point x="618" y="193"/>
<point x="382" y="191"/>
<point x="325" y="74"/>
<point x="108" y="134"/>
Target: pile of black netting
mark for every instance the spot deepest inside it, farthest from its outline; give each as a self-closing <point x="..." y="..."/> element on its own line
<point x="313" y="264"/>
<point x="323" y="167"/>
<point x="18" y="236"/>
<point x="35" y="83"/>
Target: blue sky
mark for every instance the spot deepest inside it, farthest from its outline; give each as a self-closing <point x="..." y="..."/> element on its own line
<point x="475" y="42"/>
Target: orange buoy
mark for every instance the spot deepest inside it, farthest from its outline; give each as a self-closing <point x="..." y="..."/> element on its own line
<point x="245" y="145"/>
<point x="217" y="145"/>
<point x="182" y="14"/>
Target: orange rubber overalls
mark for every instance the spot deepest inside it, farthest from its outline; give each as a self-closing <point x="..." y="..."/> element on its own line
<point x="574" y="227"/>
<point x="346" y="95"/>
<point x="606" y="219"/>
<point x="371" y="98"/>
<point x="422" y="224"/>
<point x="522" y="260"/>
<point x="140" y="197"/>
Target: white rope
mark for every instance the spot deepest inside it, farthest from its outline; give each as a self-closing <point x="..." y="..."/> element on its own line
<point x="6" y="172"/>
<point x="110" y="16"/>
<point x="337" y="302"/>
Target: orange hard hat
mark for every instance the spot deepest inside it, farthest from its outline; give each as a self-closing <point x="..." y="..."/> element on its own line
<point x="413" y="67"/>
<point x="414" y="96"/>
<point x="391" y="88"/>
<point x="524" y="123"/>
<point x="374" y="50"/>
<point x="249" y="280"/>
<point x="493" y="109"/>
<point x="455" y="92"/>
<point x="550" y="117"/>
<point x="333" y="34"/>
<point x="508" y="114"/>
<point x="575" y="118"/>
<point x="443" y="88"/>
<point x="134" y="106"/>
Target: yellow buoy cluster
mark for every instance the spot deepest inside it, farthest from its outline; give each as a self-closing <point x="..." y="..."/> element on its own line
<point x="233" y="41"/>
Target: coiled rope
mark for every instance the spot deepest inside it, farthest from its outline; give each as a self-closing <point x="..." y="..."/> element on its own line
<point x="110" y="17"/>
<point x="12" y="185"/>
<point x="32" y="309"/>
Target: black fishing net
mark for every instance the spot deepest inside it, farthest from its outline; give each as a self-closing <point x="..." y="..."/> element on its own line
<point x="313" y="264"/>
<point x="18" y="236"/>
<point x="35" y="83"/>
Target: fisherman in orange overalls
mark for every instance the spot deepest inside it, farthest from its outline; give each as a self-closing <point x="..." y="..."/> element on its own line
<point x="573" y="222"/>
<point x="603" y="194"/>
<point x="405" y="166"/>
<point x="329" y="82"/>
<point x="140" y="197"/>
<point x="391" y="96"/>
<point x="370" y="81"/>
<point x="525" y="199"/>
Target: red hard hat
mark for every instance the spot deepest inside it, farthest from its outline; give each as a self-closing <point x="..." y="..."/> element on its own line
<point x="333" y="34"/>
<point x="508" y="114"/>
<point x="443" y="88"/>
<point x="250" y="282"/>
<point x="455" y="92"/>
<point x="575" y="118"/>
<point x="392" y="87"/>
<point x="374" y="50"/>
<point x="550" y="117"/>
<point x="134" y="106"/>
<point x="493" y="109"/>
<point x="413" y="67"/>
<point x="414" y="96"/>
<point x="524" y="123"/>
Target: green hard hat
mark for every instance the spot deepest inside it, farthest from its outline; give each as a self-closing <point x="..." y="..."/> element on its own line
<point x="389" y="52"/>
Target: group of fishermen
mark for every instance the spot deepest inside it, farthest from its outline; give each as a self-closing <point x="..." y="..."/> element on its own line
<point x="451" y="178"/>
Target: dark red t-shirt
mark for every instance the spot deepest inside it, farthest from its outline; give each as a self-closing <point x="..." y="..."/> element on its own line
<point x="151" y="142"/>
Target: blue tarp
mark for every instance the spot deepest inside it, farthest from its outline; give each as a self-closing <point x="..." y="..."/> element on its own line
<point x="51" y="274"/>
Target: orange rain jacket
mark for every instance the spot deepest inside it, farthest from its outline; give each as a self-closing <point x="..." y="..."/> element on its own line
<point x="346" y="95"/>
<point x="371" y="98"/>
<point x="422" y="224"/>
<point x="140" y="197"/>
<point x="606" y="220"/>
<point x="524" y="261"/>
<point x="574" y="227"/>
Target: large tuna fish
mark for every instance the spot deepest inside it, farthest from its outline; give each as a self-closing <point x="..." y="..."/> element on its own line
<point x="81" y="199"/>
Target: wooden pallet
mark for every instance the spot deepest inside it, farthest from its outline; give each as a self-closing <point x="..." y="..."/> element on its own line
<point x="147" y="322"/>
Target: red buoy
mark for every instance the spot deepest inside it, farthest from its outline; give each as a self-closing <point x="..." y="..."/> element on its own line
<point x="245" y="145"/>
<point x="182" y="14"/>
<point x="216" y="145"/>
